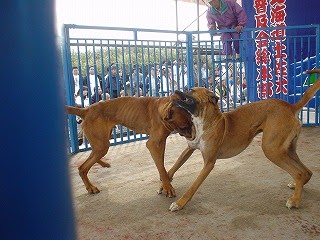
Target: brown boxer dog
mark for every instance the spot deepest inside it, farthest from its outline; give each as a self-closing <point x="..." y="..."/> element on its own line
<point x="153" y="116"/>
<point x="224" y="135"/>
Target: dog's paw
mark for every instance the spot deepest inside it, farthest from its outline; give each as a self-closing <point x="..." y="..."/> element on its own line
<point x="169" y="191"/>
<point x="171" y="195"/>
<point x="160" y="191"/>
<point x="93" y="190"/>
<point x="292" y="204"/>
<point x="103" y="162"/>
<point x="292" y="185"/>
<point x="174" y="207"/>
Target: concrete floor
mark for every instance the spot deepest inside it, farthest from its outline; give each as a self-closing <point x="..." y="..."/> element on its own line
<point x="243" y="198"/>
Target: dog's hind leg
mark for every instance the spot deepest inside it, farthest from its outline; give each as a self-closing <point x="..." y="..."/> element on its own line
<point x="284" y="155"/>
<point x="99" y="141"/>
<point x="103" y="164"/>
<point x="95" y="157"/>
<point x="83" y="172"/>
<point x="292" y="184"/>
<point x="180" y="161"/>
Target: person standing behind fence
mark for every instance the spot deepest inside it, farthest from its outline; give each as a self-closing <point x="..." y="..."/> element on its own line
<point x="99" y="96"/>
<point x="171" y="81"/>
<point x="152" y="82"/>
<point x="113" y="83"/>
<point x="164" y="88"/>
<point x="227" y="14"/>
<point x="183" y="76"/>
<point x="76" y="79"/>
<point x="137" y="79"/>
<point x="204" y="71"/>
<point x="137" y="75"/>
<point x="82" y="100"/>
<point x="91" y="81"/>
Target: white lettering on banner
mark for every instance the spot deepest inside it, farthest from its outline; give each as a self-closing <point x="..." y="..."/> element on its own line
<point x="271" y="13"/>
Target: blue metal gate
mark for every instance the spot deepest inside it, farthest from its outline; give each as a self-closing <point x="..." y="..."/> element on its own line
<point x="147" y="62"/>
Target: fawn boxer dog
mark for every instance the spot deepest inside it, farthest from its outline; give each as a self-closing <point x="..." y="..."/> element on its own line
<point x="224" y="135"/>
<point x="154" y="116"/>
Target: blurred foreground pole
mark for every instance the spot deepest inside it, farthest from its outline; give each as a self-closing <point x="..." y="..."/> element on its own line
<point x="35" y="188"/>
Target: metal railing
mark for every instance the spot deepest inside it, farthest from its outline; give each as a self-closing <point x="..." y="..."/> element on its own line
<point x="181" y="60"/>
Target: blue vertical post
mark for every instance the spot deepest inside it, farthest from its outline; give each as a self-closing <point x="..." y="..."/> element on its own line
<point x="35" y="188"/>
<point x="317" y="100"/>
<point x="190" y="60"/>
<point x="70" y="90"/>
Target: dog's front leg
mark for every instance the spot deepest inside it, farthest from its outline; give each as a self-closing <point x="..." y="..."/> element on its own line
<point x="181" y="202"/>
<point x="180" y="161"/>
<point x="156" y="148"/>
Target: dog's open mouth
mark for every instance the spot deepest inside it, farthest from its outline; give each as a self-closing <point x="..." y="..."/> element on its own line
<point x="186" y="102"/>
<point x="188" y="133"/>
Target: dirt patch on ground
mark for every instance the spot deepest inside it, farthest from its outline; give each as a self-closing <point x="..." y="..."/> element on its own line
<point x="244" y="197"/>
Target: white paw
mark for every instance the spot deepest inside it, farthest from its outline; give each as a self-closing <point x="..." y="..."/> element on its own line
<point x="292" y="185"/>
<point x="174" y="207"/>
<point x="160" y="191"/>
<point x="292" y="204"/>
<point x="289" y="204"/>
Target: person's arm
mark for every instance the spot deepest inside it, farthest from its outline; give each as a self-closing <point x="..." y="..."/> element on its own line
<point x="210" y="22"/>
<point x="241" y="17"/>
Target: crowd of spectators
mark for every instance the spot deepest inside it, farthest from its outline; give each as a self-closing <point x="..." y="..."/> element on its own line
<point x="156" y="80"/>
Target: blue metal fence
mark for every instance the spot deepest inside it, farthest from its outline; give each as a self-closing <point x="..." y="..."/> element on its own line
<point x="147" y="62"/>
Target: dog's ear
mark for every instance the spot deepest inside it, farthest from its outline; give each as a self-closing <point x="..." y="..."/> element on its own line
<point x="166" y="111"/>
<point x="174" y="96"/>
<point x="213" y="99"/>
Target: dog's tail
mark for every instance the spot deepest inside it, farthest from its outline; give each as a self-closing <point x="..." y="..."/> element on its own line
<point x="81" y="112"/>
<point x="309" y="93"/>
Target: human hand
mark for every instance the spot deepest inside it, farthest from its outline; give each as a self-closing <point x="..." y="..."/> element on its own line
<point x="239" y="28"/>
